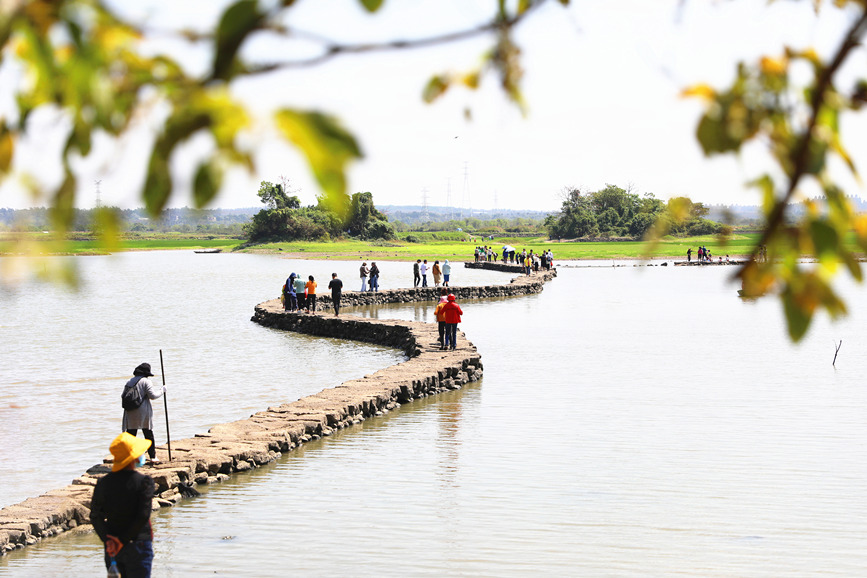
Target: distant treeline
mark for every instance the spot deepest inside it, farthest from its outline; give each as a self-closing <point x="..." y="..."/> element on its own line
<point x="186" y="220"/>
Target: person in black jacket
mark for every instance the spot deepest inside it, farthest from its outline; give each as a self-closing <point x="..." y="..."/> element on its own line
<point x="120" y="509"/>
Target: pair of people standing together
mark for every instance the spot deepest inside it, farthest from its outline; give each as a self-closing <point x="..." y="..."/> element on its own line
<point x="448" y="314"/>
<point x="374" y="277"/>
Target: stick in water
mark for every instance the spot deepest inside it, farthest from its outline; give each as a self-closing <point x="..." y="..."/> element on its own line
<point x="166" y="402"/>
<point x="834" y="363"/>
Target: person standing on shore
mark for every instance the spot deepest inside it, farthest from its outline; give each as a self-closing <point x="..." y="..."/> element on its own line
<point x="336" y="286"/>
<point x="120" y="509"/>
<point x="447" y="271"/>
<point x="437" y="273"/>
<point x="310" y="286"/>
<point x="374" y="277"/>
<point x="142" y="417"/>
<point x="423" y="270"/>
<point x="452" y="313"/>
<point x="689" y="255"/>
<point x="364" y="271"/>
<point x="416" y="276"/>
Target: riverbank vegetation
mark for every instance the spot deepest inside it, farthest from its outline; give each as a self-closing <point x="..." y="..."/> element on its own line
<point x="285" y="220"/>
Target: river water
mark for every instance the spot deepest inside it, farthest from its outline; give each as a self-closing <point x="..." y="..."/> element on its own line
<point x="631" y="422"/>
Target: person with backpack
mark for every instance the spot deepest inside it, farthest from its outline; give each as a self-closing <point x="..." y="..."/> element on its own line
<point x="137" y="410"/>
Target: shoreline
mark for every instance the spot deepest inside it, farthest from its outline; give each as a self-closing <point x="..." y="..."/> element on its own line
<point x="246" y="444"/>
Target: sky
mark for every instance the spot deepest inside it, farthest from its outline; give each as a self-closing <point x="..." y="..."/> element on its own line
<point x="602" y="83"/>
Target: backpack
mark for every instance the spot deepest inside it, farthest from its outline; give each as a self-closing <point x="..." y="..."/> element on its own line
<point x="132" y="397"/>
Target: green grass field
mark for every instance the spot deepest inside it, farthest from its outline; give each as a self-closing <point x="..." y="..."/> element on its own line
<point x="459" y="251"/>
<point x="429" y="247"/>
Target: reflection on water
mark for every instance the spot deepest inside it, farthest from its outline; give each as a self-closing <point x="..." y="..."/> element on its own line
<point x="630" y="423"/>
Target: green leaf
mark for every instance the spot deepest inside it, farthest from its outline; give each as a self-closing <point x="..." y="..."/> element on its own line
<point x="372" y="5"/>
<point x="797" y="320"/>
<point x="64" y="202"/>
<point x="238" y="21"/>
<point x="714" y="137"/>
<point x="158" y="185"/>
<point x="206" y="183"/>
<point x="824" y="237"/>
<point x="435" y="88"/>
<point x="327" y="146"/>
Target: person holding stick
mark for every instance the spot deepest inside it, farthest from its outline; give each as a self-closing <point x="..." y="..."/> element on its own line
<point x="142" y="417"/>
<point x="120" y="509"/>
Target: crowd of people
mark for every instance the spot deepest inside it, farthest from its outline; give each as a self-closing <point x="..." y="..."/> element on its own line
<point x="703" y="255"/>
<point x="298" y="294"/>
<point x="441" y="273"/>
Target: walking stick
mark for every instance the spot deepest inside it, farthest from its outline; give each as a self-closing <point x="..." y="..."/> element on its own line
<point x="166" y="402"/>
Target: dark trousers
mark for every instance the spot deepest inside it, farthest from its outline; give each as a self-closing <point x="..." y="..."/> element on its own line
<point x="335" y="300"/>
<point x="311" y="302"/>
<point x="441" y="326"/>
<point x="293" y="301"/>
<point x="451" y="334"/>
<point x="149" y="435"/>
<point x="416" y="280"/>
<point x="424" y="280"/>
<point x="134" y="560"/>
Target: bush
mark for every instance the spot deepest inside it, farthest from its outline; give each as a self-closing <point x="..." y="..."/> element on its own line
<point x="412" y="239"/>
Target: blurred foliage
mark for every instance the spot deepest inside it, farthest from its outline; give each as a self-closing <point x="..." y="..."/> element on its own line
<point x="770" y="102"/>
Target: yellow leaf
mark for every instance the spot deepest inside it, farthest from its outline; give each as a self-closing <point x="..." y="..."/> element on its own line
<point x="700" y="90"/>
<point x="7" y="150"/>
<point x="774" y="66"/>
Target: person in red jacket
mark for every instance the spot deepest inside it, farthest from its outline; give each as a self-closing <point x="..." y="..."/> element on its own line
<point x="452" y="313"/>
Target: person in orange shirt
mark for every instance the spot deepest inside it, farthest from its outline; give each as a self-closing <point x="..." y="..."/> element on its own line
<point x="311" y="294"/>
<point x="452" y="313"/>
<point x="441" y="319"/>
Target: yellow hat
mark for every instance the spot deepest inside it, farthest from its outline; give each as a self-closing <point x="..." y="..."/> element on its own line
<point x="125" y="448"/>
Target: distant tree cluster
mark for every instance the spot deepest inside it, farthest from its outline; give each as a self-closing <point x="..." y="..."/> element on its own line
<point x="616" y="212"/>
<point x="285" y="219"/>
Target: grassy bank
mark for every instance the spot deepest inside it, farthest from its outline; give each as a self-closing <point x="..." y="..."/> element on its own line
<point x="41" y="243"/>
<point x="463" y="250"/>
<point x="424" y="245"/>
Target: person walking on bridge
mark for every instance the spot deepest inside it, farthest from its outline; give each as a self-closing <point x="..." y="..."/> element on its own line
<point x="452" y="313"/>
<point x="120" y="509"/>
<point x="336" y="286"/>
<point x="142" y="417"/>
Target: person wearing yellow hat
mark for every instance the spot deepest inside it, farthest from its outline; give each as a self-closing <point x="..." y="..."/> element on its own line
<point x="120" y="509"/>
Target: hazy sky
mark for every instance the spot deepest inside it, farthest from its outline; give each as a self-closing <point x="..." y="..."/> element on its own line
<point x="602" y="83"/>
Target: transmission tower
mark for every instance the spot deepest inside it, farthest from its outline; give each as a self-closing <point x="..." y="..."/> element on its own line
<point x="425" y="216"/>
<point x="98" y="199"/>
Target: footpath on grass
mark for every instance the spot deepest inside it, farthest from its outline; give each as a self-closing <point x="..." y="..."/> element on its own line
<point x="263" y="437"/>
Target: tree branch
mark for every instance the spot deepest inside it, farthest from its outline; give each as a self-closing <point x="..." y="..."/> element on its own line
<point x="801" y="155"/>
<point x="332" y="50"/>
